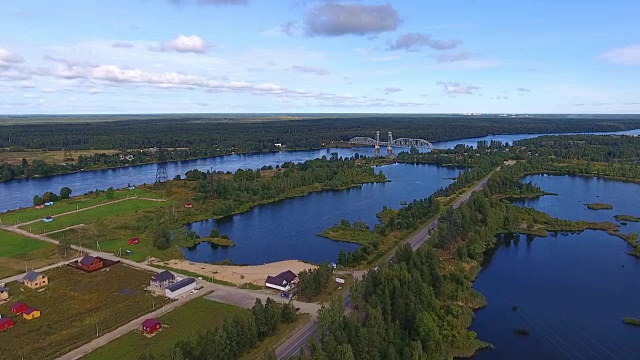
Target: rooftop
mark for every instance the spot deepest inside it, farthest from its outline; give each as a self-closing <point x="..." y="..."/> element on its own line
<point x="31" y="276"/>
<point x="163" y="276"/>
<point x="150" y="322"/>
<point x="180" y="284"/>
<point x="87" y="260"/>
<point x="288" y="275"/>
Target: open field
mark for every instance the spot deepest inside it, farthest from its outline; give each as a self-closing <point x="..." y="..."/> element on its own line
<point x="239" y="275"/>
<point x="74" y="203"/>
<point x="54" y="157"/>
<point x="93" y="215"/>
<point x="16" y="249"/>
<point x="206" y="313"/>
<point x="73" y="305"/>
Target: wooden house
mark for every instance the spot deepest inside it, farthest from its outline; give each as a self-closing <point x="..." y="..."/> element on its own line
<point x="35" y="280"/>
<point x="91" y="263"/>
<point x="6" y="323"/>
<point x="31" y="314"/>
<point x="18" y="308"/>
<point x="150" y="326"/>
<point x="162" y="280"/>
<point x="188" y="205"/>
<point x="4" y="293"/>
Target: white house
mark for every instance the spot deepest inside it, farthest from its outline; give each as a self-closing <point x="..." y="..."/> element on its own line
<point x="179" y="287"/>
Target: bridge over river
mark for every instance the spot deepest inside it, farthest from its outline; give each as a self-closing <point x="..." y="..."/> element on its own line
<point x="390" y="143"/>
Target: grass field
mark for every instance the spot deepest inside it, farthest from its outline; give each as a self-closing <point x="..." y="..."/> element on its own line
<point x="205" y="313"/>
<point x="16" y="249"/>
<point x="74" y="203"/>
<point x="54" y="157"/>
<point x="72" y="305"/>
<point x="92" y="215"/>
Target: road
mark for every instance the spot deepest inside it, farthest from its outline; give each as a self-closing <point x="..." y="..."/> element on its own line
<point x="299" y="338"/>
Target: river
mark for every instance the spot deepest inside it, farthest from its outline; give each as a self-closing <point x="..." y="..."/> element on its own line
<point x="19" y="193"/>
<point x="572" y="290"/>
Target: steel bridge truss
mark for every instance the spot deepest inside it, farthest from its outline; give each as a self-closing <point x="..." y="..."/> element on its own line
<point x="401" y="142"/>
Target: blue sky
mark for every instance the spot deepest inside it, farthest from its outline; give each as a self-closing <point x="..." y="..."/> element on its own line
<point x="459" y="56"/>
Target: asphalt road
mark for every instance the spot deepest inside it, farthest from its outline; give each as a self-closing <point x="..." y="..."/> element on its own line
<point x="300" y="337"/>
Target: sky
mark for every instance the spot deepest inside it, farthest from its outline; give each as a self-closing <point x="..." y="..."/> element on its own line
<point x="315" y="56"/>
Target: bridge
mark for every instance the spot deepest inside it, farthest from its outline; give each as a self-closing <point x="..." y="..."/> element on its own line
<point x="390" y="143"/>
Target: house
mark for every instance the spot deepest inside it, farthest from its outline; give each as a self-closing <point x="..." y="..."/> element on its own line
<point x="31" y="314"/>
<point x="180" y="287"/>
<point x="6" y="323"/>
<point x="4" y="293"/>
<point x="284" y="281"/>
<point x="277" y="283"/>
<point x="150" y="326"/>
<point x="162" y="280"/>
<point x="188" y="205"/>
<point x="133" y="241"/>
<point x="18" y="308"/>
<point x="41" y="206"/>
<point x="91" y="263"/>
<point x="34" y="280"/>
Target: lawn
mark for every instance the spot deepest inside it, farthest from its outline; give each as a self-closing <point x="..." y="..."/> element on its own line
<point x="205" y="313"/>
<point x="73" y="305"/>
<point x="93" y="215"/>
<point x="74" y="203"/>
<point x="17" y="250"/>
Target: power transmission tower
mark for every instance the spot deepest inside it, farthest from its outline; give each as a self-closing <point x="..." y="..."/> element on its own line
<point x="161" y="168"/>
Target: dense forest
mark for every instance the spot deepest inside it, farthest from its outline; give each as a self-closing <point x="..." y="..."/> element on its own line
<point x="187" y="137"/>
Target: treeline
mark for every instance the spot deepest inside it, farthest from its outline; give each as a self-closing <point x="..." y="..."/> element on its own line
<point x="313" y="282"/>
<point x="237" y="335"/>
<point x="205" y="132"/>
<point x="232" y="193"/>
<point x="585" y="147"/>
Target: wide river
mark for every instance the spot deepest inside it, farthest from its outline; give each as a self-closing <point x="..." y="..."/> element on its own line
<point x="572" y="290"/>
<point x="19" y="193"/>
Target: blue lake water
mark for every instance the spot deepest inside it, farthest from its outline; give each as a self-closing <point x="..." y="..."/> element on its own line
<point x="572" y="290"/>
<point x="19" y="193"/>
<point x="288" y="229"/>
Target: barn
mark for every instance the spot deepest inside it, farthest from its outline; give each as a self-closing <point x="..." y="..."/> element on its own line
<point x="150" y="326"/>
<point x="31" y="314"/>
<point x="18" y="308"/>
<point x="133" y="241"/>
<point x="6" y="323"/>
<point x="91" y="263"/>
<point x="180" y="287"/>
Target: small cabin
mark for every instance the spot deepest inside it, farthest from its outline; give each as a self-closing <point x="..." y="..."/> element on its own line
<point x="4" y="293"/>
<point x="18" y="308"/>
<point x="41" y="206"/>
<point x="133" y="241"/>
<point x="48" y="203"/>
<point x="31" y="314"/>
<point x="91" y="263"/>
<point x="34" y="280"/>
<point x="150" y="326"/>
<point x="48" y="219"/>
<point x="6" y="323"/>
<point x="188" y="205"/>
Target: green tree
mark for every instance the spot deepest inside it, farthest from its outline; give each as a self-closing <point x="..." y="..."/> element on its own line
<point x="214" y="233"/>
<point x="110" y="192"/>
<point x="37" y="200"/>
<point x="65" y="192"/>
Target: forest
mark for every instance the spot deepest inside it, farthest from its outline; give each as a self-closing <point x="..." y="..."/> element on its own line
<point x="188" y="137"/>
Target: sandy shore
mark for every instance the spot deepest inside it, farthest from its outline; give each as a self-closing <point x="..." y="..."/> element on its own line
<point x="239" y="274"/>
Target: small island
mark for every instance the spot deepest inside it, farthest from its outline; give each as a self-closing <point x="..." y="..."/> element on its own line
<point x="628" y="218"/>
<point x="599" y="206"/>
<point x="192" y="239"/>
<point x="631" y="321"/>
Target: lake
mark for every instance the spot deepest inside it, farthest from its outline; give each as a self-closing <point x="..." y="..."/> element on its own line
<point x="289" y="229"/>
<point x="19" y="193"/>
<point x="572" y="290"/>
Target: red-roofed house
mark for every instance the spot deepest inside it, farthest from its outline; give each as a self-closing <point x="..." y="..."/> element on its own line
<point x="188" y="205"/>
<point x="18" y="308"/>
<point x="6" y="323"/>
<point x="31" y="314"/>
<point x="150" y="326"/>
<point x="91" y="263"/>
<point x="133" y="241"/>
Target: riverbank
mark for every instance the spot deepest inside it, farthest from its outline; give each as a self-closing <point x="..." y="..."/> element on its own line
<point x="239" y="275"/>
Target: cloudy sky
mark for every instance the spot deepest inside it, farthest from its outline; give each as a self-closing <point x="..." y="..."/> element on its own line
<point x="159" y="56"/>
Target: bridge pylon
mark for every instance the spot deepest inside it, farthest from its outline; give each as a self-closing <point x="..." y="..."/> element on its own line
<point x="390" y="144"/>
<point x="377" y="145"/>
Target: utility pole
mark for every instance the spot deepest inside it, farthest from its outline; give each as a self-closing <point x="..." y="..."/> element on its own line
<point x="97" y="334"/>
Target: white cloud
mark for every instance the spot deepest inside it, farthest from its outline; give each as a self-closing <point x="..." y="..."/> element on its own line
<point x="122" y="45"/>
<point x="184" y="43"/>
<point x="310" y="70"/>
<point x="94" y="91"/>
<point x="455" y="88"/>
<point x="453" y="57"/>
<point x="7" y="57"/>
<point x="629" y="55"/>
<point x="416" y="41"/>
<point x="521" y="89"/>
<point x="391" y="90"/>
